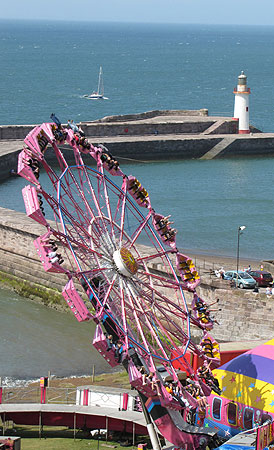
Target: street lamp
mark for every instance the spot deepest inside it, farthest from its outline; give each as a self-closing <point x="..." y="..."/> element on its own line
<point x="240" y="231"/>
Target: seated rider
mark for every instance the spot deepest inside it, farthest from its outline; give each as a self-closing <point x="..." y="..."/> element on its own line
<point x="206" y="375"/>
<point x="109" y="339"/>
<point x="169" y="388"/>
<point x="134" y="185"/>
<point x="110" y="327"/>
<point x="119" y="351"/>
<point x="55" y="120"/>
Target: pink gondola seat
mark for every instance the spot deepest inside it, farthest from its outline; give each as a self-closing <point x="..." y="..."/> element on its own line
<point x="100" y="343"/>
<point x="168" y="401"/>
<point x="43" y="249"/>
<point x="138" y="192"/>
<point x="76" y="303"/>
<point x="164" y="232"/>
<point x="205" y="321"/>
<point x="136" y="381"/>
<point x="188" y="271"/>
<point x="34" y="141"/>
<point x="32" y="205"/>
<point x="211" y="350"/>
<point x="23" y="169"/>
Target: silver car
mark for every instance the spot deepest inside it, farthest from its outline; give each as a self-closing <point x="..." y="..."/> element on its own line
<point x="244" y="279"/>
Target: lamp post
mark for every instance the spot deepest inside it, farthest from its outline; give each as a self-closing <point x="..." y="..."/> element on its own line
<point x="240" y="231"/>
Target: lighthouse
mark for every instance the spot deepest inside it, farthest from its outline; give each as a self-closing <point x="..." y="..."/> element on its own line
<point x="241" y="105"/>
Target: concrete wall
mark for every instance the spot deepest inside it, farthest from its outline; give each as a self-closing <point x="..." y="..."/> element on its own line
<point x="173" y="122"/>
<point x="14" y="131"/>
<point x="17" y="252"/>
<point x="225" y="127"/>
<point x="161" y="149"/>
<point x="152" y="114"/>
<point x="145" y="128"/>
<point x="244" y="315"/>
<point x="8" y="162"/>
<point x="249" y="146"/>
<point x="268" y="265"/>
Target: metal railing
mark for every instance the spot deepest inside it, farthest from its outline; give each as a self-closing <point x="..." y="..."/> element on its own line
<point x="33" y="395"/>
<point x="20" y="395"/>
<point x="67" y="396"/>
<point x="61" y="395"/>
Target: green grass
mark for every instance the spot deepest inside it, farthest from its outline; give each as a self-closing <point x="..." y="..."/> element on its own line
<point x="62" y="438"/>
<point x="65" y="444"/>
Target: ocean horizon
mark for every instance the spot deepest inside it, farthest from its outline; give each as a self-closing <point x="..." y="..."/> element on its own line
<point x="48" y="66"/>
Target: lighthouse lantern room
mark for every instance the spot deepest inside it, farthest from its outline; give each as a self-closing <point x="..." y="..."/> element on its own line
<point x="241" y="106"/>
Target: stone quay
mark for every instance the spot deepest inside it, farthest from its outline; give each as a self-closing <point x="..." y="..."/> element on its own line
<point x="155" y="135"/>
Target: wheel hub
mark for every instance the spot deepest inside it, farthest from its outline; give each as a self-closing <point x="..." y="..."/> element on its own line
<point x="125" y="262"/>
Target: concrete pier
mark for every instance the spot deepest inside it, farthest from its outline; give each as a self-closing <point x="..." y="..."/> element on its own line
<point x="155" y="135"/>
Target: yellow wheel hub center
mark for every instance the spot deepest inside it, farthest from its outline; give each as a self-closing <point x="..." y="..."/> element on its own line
<point x="125" y="262"/>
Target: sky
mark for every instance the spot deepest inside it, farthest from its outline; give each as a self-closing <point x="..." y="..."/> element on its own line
<point x="246" y="12"/>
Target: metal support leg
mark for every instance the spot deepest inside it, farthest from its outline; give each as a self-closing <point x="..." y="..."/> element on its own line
<point x="133" y="434"/>
<point x="74" y="426"/>
<point x="4" y="424"/>
<point x="150" y="428"/>
<point x="106" y="428"/>
<point x="40" y="424"/>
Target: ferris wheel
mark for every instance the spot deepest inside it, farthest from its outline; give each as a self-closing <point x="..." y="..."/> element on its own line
<point x="123" y="267"/>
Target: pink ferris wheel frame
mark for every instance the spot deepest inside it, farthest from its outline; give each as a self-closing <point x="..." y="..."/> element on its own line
<point x="124" y="269"/>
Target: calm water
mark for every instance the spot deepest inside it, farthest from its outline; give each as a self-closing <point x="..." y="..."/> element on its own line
<point x="47" y="67"/>
<point x="36" y="339"/>
<point x="208" y="200"/>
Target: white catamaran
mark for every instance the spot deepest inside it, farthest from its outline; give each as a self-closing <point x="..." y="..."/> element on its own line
<point x="99" y="94"/>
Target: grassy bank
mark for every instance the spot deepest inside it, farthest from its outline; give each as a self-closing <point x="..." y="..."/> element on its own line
<point x="114" y="379"/>
<point x="33" y="291"/>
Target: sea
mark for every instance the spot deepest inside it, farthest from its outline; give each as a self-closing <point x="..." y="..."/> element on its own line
<point x="48" y="66"/>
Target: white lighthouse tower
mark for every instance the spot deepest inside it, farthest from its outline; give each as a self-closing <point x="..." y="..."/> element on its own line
<point x="241" y="106"/>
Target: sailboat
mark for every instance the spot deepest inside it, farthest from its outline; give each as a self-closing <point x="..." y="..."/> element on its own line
<point x="99" y="94"/>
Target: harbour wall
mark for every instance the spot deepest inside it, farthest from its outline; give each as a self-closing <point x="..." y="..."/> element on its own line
<point x="155" y="113"/>
<point x="18" y="256"/>
<point x="149" y="123"/>
<point x="156" y="148"/>
<point x="244" y="315"/>
<point x="153" y="135"/>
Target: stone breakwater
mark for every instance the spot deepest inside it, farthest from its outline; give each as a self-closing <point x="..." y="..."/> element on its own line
<point x="155" y="135"/>
<point x="244" y="315"/>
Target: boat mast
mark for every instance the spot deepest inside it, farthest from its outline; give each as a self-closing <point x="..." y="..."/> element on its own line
<point x="100" y="90"/>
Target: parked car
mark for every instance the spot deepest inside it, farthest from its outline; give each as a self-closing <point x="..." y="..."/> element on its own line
<point x="244" y="280"/>
<point x="262" y="277"/>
